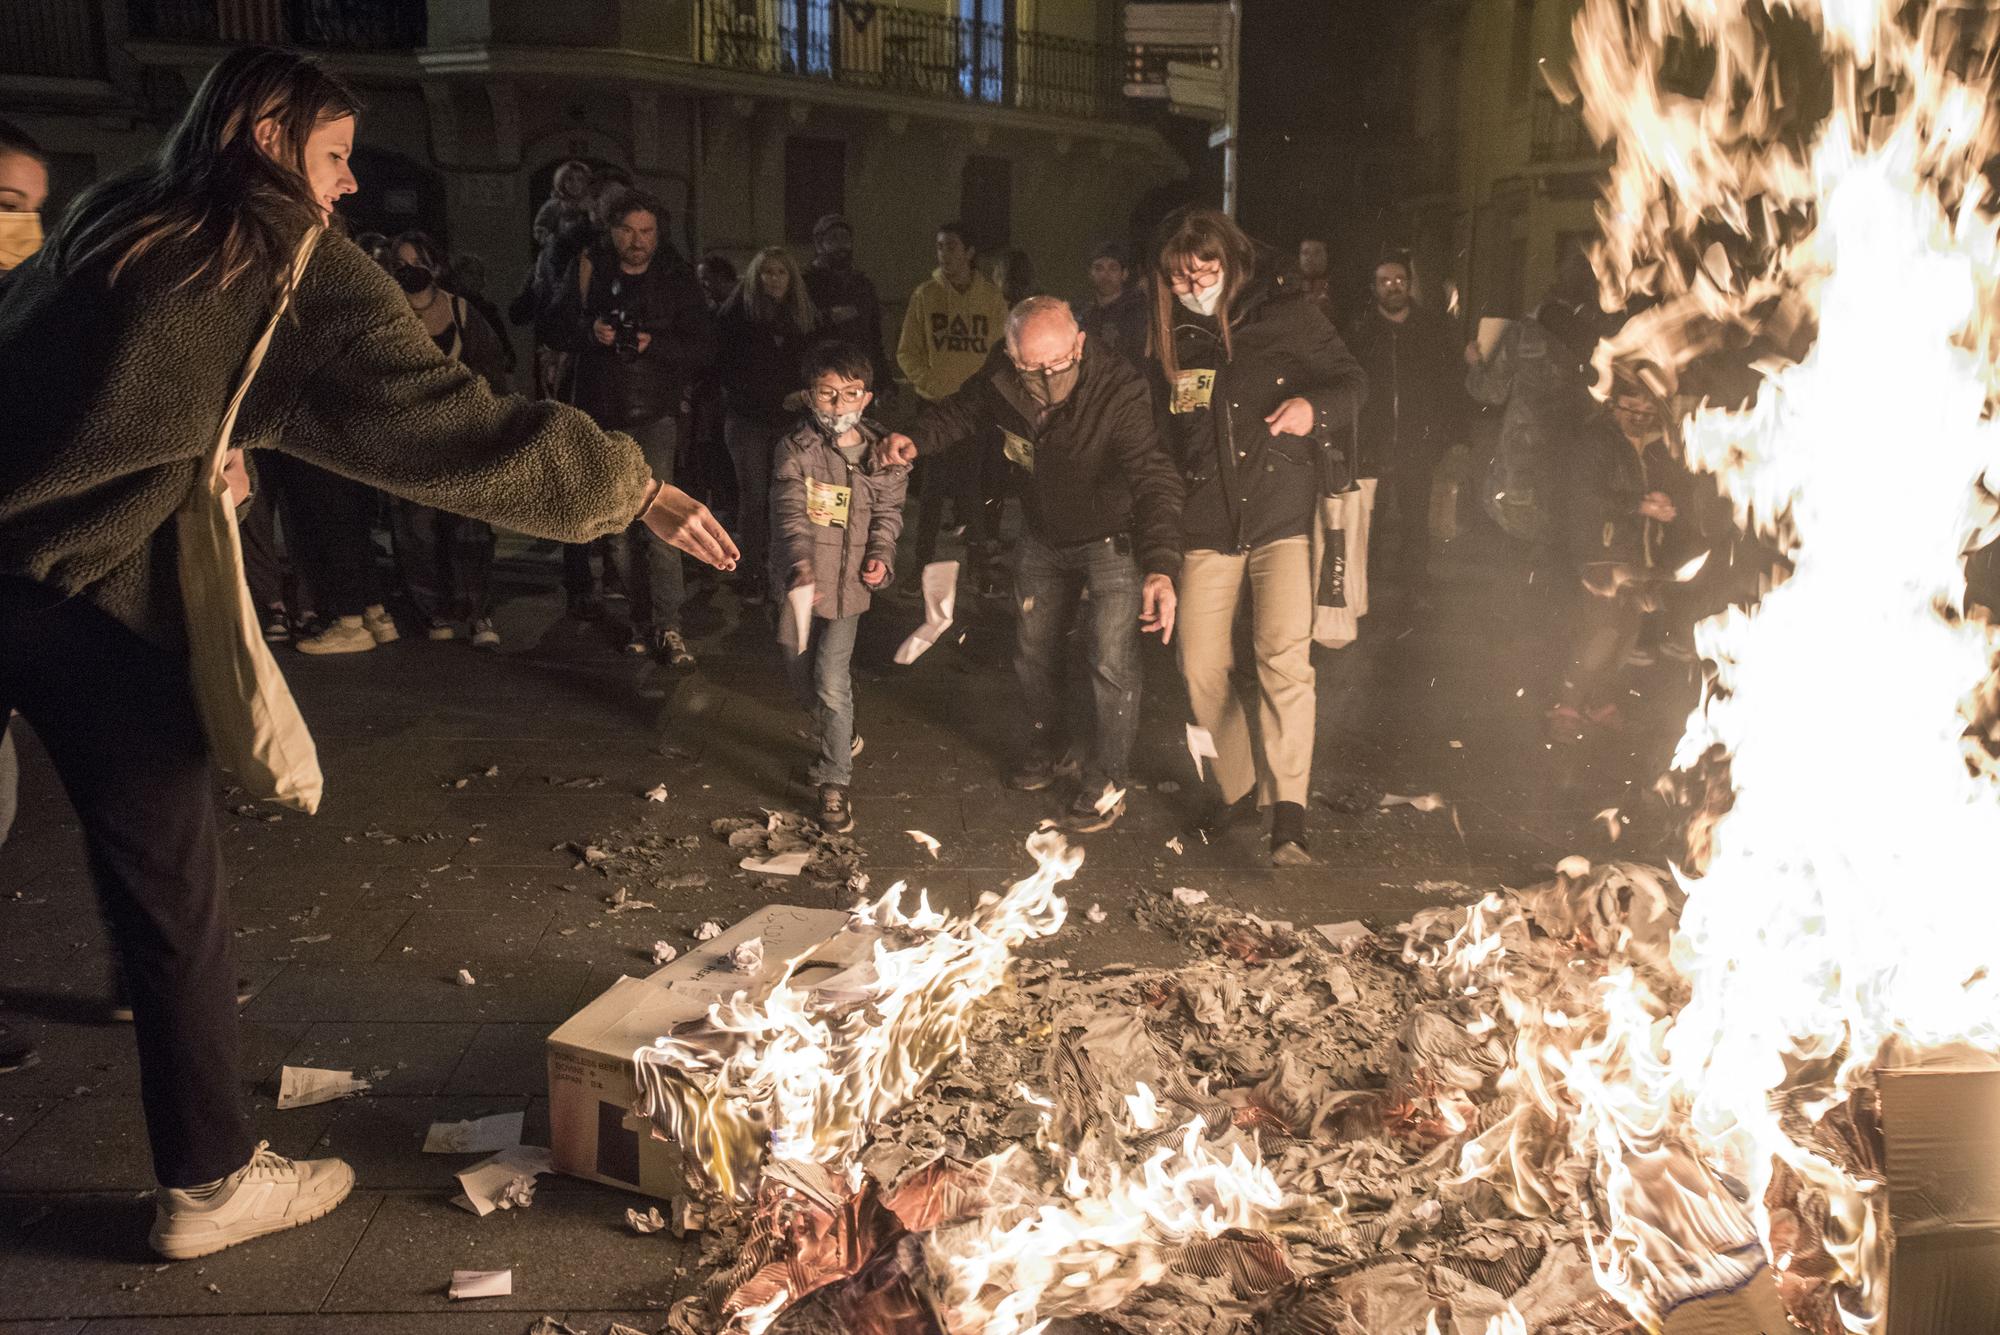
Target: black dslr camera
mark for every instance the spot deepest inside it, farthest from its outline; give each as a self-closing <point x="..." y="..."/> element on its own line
<point x="624" y="334"/>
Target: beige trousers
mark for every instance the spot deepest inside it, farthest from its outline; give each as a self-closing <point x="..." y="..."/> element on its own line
<point x="1279" y="577"/>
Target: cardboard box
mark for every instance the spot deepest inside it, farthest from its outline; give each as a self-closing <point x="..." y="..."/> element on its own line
<point x="593" y="1132"/>
<point x="1940" y="1119"/>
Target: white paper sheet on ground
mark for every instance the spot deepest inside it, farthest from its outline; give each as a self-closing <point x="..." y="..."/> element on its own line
<point x="799" y="602"/>
<point x="940" y="581"/>
<point x="1344" y="936"/>
<point x="482" y="1284"/>
<point x="476" y="1135"/>
<point x="485" y="1183"/>
<point x="779" y="864"/>
<point x="1422" y="801"/>
<point x="1200" y="743"/>
<point x="303" y="1086"/>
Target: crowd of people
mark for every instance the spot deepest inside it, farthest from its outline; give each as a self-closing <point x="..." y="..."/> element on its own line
<point x="1171" y="440"/>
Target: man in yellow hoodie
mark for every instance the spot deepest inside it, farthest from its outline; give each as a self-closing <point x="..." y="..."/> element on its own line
<point x="955" y="320"/>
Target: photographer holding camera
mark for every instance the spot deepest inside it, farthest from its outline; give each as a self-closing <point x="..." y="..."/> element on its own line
<point x="640" y="332"/>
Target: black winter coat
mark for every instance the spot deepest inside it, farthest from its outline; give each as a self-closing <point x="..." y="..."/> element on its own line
<point x="1605" y="483"/>
<point x="1246" y="487"/>
<point x="1416" y="394"/>
<point x="851" y="311"/>
<point x="623" y="390"/>
<point x="1119" y="327"/>
<point x="1089" y="468"/>
<point x="761" y="363"/>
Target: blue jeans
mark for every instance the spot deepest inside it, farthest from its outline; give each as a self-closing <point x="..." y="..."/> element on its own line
<point x="654" y="580"/>
<point x="1048" y="585"/>
<point x="821" y="680"/>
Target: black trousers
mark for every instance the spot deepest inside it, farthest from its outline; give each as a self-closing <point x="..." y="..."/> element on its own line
<point x="329" y="534"/>
<point x="116" y="715"/>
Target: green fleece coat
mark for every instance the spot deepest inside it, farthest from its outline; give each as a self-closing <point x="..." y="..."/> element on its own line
<point x="111" y="397"/>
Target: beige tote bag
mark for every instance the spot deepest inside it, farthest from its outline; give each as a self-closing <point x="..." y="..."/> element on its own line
<point x="254" y="727"/>
<point x="1340" y="564"/>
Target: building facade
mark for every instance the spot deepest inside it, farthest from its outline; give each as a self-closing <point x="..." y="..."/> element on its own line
<point x="750" y="118"/>
<point x="1501" y="177"/>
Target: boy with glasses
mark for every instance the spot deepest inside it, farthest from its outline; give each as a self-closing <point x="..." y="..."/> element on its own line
<point x="835" y="518"/>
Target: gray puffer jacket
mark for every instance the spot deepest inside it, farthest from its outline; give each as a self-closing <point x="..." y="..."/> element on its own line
<point x="835" y="515"/>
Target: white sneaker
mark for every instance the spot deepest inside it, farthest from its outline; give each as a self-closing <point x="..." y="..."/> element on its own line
<point x="437" y="630"/>
<point x="854" y="748"/>
<point x="484" y="636"/>
<point x="380" y="624"/>
<point x="343" y="635"/>
<point x="267" y="1195"/>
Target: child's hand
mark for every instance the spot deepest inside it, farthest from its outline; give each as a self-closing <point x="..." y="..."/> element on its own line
<point x="802" y="574"/>
<point x="873" y="573"/>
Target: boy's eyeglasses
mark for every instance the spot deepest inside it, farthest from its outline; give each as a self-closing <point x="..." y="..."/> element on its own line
<point x="826" y="398"/>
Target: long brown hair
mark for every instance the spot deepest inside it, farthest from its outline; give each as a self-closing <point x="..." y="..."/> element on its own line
<point x="211" y="182"/>
<point x="1191" y="234"/>
<point x="798" y="302"/>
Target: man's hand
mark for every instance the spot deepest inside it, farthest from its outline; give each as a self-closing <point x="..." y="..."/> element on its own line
<point x="643" y="340"/>
<point x="604" y="332"/>
<point x="679" y="520"/>
<point x="873" y="572"/>
<point x="1658" y="505"/>
<point x="895" y="450"/>
<point x="1294" y="417"/>
<point x="1156" y="606"/>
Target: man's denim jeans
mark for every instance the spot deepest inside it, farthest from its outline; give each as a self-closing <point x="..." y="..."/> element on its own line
<point x="1048" y="586"/>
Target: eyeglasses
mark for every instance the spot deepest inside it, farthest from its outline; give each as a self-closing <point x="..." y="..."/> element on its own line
<point x="826" y="398"/>
<point x="1053" y="368"/>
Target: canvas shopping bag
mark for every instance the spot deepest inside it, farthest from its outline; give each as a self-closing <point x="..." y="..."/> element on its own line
<point x="1340" y="564"/>
<point x="254" y="728"/>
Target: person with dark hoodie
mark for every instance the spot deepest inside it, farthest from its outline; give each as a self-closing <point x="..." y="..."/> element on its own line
<point x="849" y="307"/>
<point x="1257" y="388"/>
<point x="121" y="347"/>
<point x="1115" y="316"/>
<point x="761" y="339"/>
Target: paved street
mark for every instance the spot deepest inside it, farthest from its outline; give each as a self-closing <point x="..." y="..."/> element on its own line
<point x="353" y="924"/>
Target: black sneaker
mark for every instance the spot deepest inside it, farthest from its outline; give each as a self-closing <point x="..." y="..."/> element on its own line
<point x="1041" y="772"/>
<point x="1288" y="836"/>
<point x="587" y="608"/>
<point x="1091" y="813"/>
<point x="670" y="647"/>
<point x="836" y="814"/>
<point x="1219" y="817"/>
<point x="277" y="626"/>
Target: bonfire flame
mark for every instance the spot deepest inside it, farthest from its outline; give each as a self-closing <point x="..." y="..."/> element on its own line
<point x="1807" y="184"/>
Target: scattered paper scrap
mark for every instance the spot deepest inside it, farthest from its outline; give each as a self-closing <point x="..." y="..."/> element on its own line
<point x="1575" y="867"/>
<point x="477" y="1135"/>
<point x="482" y="1284"/>
<point x="940" y="584"/>
<point x="1200" y="743"/>
<point x="779" y="864"/>
<point x="663" y="953"/>
<point x="1421" y="802"/>
<point x="650" y="1222"/>
<point x="748" y="957"/>
<point x="1184" y="895"/>
<point x="930" y="844"/>
<point x="465" y="978"/>
<point x="1175" y="844"/>
<point x="1095" y="913"/>
<point x="657" y="793"/>
<point x="708" y="931"/>
<point x="303" y="1086"/>
<point x="1612" y="822"/>
<point x="497" y="1183"/>
<point x="1344" y="936"/>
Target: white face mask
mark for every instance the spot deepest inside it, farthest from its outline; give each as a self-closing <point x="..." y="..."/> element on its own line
<point x="839" y="424"/>
<point x="1203" y="300"/>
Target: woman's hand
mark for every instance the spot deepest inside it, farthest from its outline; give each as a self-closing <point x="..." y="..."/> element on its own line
<point x="679" y="520"/>
<point x="1293" y="417"/>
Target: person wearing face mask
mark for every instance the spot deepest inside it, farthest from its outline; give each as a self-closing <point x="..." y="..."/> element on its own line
<point x="849" y="308"/>
<point x="835" y="516"/>
<point x="1101" y="507"/>
<point x="121" y="350"/>
<point x="1257" y="388"/>
<point x="446" y="560"/>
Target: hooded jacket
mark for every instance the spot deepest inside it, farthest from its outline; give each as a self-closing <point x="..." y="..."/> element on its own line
<point x="1246" y="487"/>
<point x="846" y="300"/>
<point x="835" y="515"/>
<point x="114" y="396"/>
<point x="1089" y="468"/>
<point x="948" y="334"/>
<point x="1605" y="482"/>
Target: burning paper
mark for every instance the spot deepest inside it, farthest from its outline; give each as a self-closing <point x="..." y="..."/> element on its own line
<point x="481" y="1135"/>
<point x="303" y="1086"/>
<point x="481" y="1284"/>
<point x="940" y="585"/>
<point x="504" y="1181"/>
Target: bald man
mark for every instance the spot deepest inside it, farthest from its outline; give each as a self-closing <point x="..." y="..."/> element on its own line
<point x="1102" y="504"/>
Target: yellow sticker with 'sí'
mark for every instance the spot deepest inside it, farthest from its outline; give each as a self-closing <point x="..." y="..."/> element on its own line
<point x="1019" y="449"/>
<point x="828" y="505"/>
<point x="1192" y="390"/>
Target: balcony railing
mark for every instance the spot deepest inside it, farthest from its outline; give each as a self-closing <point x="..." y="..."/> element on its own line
<point x="57" y="39"/>
<point x="1557" y="133"/>
<point x="334" y="25"/>
<point x="906" y="51"/>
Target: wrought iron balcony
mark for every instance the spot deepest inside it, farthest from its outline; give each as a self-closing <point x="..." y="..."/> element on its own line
<point x="908" y="51"/>
<point x="57" y="39"/>
<point x="334" y="25"/>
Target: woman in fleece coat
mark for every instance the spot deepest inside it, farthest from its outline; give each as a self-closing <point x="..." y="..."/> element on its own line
<point x="120" y="347"/>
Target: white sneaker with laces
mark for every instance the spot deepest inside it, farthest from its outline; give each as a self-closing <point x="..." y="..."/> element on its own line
<point x="343" y="635"/>
<point x="484" y="636"/>
<point x="380" y="624"/>
<point x="267" y="1195"/>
